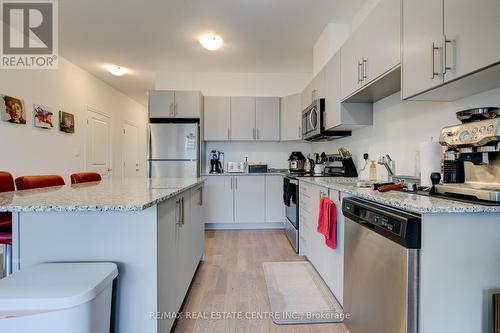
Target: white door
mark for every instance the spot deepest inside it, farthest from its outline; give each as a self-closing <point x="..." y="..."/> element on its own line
<point x="187" y="104"/>
<point x="218" y="206"/>
<point x="217" y="115"/>
<point x="291" y="117"/>
<point x="243" y="118"/>
<point x="249" y="203"/>
<point x="98" y="147"/>
<point x="267" y="118"/>
<point x="422" y="28"/>
<point x="275" y="208"/>
<point x="161" y="104"/>
<point x="130" y="152"/>
<point x="473" y="28"/>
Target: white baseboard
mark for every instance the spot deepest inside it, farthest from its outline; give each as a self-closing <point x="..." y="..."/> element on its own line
<point x="243" y="226"/>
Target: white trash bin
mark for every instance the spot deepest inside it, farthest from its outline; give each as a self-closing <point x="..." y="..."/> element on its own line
<point x="58" y="298"/>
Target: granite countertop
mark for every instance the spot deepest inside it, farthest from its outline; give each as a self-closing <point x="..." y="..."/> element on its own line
<point x="407" y="201"/>
<point x="132" y="194"/>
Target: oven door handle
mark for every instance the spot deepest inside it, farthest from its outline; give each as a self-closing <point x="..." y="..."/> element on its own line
<point x="310" y="119"/>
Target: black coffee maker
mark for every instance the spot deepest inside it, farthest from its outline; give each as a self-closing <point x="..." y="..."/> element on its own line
<point x="216" y="161"/>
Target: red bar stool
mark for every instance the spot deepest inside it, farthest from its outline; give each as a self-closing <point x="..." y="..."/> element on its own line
<point x="31" y="182"/>
<point x="85" y="177"/>
<point x="6" y="185"/>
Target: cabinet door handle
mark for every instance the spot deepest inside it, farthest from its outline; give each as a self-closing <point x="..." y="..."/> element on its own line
<point x="201" y="196"/>
<point x="359" y="72"/>
<point x="433" y="60"/>
<point x="300" y="132"/>
<point x="182" y="210"/>
<point x="446" y="41"/>
<point x="178" y="211"/>
<point x="365" y="62"/>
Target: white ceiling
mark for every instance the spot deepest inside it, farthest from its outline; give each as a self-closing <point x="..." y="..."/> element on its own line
<point x="263" y="36"/>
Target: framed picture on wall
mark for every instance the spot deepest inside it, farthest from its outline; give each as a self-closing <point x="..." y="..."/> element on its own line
<point x="42" y="116"/>
<point x="12" y="109"/>
<point x="66" y="122"/>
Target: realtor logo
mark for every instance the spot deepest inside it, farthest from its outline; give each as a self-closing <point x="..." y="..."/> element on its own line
<point x="29" y="34"/>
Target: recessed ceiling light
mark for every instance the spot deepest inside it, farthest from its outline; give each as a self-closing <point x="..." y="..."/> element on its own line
<point x="211" y="42"/>
<point x="117" y="70"/>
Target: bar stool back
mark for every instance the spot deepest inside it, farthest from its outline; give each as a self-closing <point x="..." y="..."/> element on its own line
<point x="6" y="185"/>
<point x="31" y="182"/>
<point x="85" y="177"/>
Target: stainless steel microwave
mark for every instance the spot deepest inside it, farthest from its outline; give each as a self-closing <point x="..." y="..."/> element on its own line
<point x="313" y="124"/>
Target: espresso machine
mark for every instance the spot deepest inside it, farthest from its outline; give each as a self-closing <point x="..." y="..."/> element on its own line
<point x="471" y="162"/>
<point x="216" y="161"/>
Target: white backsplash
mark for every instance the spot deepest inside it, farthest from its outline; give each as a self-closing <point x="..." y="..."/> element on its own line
<point x="274" y="154"/>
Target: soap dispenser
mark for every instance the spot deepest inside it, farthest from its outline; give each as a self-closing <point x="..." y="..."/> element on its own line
<point x="373" y="171"/>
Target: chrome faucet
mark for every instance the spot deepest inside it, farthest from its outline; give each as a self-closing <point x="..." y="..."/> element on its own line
<point x="389" y="164"/>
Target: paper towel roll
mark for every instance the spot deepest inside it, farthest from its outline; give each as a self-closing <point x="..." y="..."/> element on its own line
<point x="431" y="154"/>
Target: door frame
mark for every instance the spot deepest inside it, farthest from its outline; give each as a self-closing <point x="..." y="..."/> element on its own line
<point x="126" y="122"/>
<point x="89" y="109"/>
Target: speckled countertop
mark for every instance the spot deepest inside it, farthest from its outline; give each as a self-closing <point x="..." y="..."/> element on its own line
<point x="411" y="202"/>
<point x="108" y="195"/>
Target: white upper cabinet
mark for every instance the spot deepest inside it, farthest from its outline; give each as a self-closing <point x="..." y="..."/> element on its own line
<point x="243" y="118"/>
<point x="267" y="118"/>
<point x="161" y="104"/>
<point x="472" y="29"/>
<point x="174" y="104"/>
<point x="291" y="117"/>
<point x="444" y="58"/>
<point x="187" y="104"/>
<point x="421" y="53"/>
<point x="314" y="90"/>
<point x="217" y="115"/>
<point x="373" y="49"/>
<point x="249" y="201"/>
<point x="342" y="116"/>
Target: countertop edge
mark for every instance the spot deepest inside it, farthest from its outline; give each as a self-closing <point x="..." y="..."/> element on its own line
<point x="97" y="208"/>
<point x="398" y="204"/>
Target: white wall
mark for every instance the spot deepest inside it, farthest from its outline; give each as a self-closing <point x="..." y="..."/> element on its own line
<point x="234" y="84"/>
<point x="29" y="150"/>
<point x="329" y="42"/>
<point x="399" y="127"/>
<point x="274" y="154"/>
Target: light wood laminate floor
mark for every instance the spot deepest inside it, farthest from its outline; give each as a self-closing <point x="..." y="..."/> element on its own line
<point x="232" y="280"/>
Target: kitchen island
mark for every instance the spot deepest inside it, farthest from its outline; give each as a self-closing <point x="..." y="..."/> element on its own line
<point x="151" y="228"/>
<point x="459" y="258"/>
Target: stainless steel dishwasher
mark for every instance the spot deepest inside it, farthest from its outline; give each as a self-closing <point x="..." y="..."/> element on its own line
<point x="380" y="268"/>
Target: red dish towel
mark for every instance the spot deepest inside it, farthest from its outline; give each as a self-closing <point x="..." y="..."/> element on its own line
<point x="327" y="222"/>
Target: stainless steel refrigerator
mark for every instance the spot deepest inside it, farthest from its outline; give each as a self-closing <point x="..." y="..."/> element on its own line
<point x="174" y="150"/>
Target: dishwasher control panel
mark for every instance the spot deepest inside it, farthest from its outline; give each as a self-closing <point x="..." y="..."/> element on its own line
<point x="397" y="225"/>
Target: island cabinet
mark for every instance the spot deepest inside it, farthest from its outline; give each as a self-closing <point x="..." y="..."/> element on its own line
<point x="152" y="229"/>
<point x="459" y="38"/>
<point x="180" y="247"/>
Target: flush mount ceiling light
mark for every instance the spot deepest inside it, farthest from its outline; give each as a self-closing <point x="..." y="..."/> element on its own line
<point x="117" y="70"/>
<point x="211" y="42"/>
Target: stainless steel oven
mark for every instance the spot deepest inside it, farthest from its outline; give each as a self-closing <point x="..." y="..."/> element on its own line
<point x="291" y="200"/>
<point x="313" y="124"/>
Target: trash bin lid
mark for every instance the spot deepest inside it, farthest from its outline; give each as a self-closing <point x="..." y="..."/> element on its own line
<point x="54" y="286"/>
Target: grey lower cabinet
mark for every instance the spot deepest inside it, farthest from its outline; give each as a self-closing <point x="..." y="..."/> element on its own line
<point x="243" y="199"/>
<point x="180" y="248"/>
